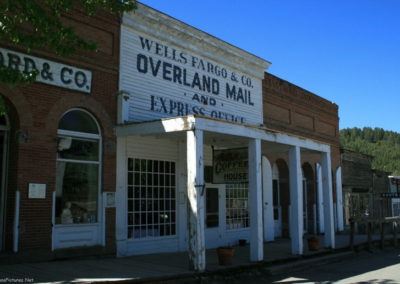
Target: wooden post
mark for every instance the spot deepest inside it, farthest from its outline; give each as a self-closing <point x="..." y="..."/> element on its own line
<point x="395" y="221"/>
<point x="369" y="232"/>
<point x="255" y="198"/>
<point x="382" y="234"/>
<point x="351" y="244"/>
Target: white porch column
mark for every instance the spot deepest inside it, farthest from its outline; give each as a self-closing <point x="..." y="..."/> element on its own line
<point x="339" y="199"/>
<point x="320" y="199"/>
<point x="255" y="201"/>
<point x="269" y="226"/>
<point x="328" y="200"/>
<point x="182" y="225"/>
<point x="195" y="188"/>
<point x="296" y="200"/>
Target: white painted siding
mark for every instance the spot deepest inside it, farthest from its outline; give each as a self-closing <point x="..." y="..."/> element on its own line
<point x="67" y="236"/>
<point x="148" y="75"/>
<point x="152" y="148"/>
<point x="208" y="155"/>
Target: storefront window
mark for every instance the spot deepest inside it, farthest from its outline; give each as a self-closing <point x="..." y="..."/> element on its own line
<point x="237" y="212"/>
<point x="78" y="162"/>
<point x="151" y="198"/>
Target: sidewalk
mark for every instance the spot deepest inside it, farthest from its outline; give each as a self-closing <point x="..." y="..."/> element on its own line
<point x="157" y="267"/>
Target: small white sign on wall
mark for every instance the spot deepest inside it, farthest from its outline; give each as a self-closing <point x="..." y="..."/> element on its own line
<point x="37" y="190"/>
<point x="109" y="198"/>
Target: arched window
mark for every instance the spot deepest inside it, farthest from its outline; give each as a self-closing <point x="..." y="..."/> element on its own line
<point x="78" y="168"/>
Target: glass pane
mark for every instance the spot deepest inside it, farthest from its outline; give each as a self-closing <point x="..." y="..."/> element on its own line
<point x="3" y="120"/>
<point x="212" y="208"/>
<point x="276" y="214"/>
<point x="76" y="193"/>
<point x="130" y="164"/>
<point x="78" y="148"/>
<point x="275" y="194"/>
<point x="80" y="121"/>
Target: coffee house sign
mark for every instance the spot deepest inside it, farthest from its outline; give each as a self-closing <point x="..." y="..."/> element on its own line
<point x="49" y="72"/>
<point x="230" y="166"/>
<point x="167" y="81"/>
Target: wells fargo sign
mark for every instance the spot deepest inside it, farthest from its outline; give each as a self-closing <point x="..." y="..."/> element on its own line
<point x="168" y="80"/>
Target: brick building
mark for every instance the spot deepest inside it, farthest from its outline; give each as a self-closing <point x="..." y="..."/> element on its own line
<point x="58" y="145"/>
<point x="296" y="111"/>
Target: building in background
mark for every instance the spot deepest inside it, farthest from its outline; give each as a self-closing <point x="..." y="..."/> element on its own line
<point x="293" y="110"/>
<point x="365" y="191"/>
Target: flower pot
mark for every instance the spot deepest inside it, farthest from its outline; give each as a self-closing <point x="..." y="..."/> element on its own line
<point x="313" y="243"/>
<point x="225" y="255"/>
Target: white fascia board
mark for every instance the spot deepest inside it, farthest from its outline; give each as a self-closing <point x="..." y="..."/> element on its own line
<point x="156" y="127"/>
<point x="186" y="123"/>
<point x="258" y="133"/>
<point x="168" y="29"/>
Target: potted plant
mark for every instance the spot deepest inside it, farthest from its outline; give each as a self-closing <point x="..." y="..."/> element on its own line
<point x="313" y="243"/>
<point x="225" y="255"/>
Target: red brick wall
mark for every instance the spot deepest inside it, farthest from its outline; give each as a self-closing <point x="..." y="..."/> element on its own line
<point x="36" y="110"/>
<point x="293" y="110"/>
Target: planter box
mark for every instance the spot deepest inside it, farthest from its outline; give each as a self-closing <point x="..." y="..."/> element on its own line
<point x="313" y="243"/>
<point x="225" y="255"/>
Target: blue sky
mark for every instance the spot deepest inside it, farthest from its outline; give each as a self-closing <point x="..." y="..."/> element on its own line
<point x="346" y="51"/>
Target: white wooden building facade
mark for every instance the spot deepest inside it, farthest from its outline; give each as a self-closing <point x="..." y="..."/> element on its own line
<point x="183" y="96"/>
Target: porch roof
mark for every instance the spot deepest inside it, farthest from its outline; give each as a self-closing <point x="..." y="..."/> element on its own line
<point x="216" y="129"/>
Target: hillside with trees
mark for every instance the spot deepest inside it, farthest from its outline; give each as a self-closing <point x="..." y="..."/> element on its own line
<point x="383" y="145"/>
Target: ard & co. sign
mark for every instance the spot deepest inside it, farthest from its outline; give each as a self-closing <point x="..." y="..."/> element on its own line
<point x="49" y="72"/>
<point x="230" y="166"/>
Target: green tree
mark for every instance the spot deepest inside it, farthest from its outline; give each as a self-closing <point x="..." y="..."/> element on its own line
<point x="383" y="145"/>
<point x="36" y="24"/>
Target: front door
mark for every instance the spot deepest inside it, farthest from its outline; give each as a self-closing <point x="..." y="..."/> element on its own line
<point x="213" y="220"/>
